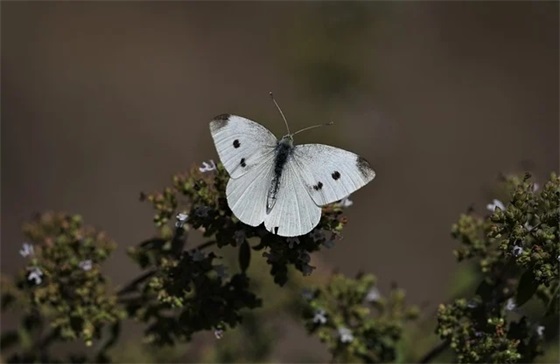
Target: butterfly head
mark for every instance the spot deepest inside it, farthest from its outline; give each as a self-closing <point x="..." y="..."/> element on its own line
<point x="287" y="140"/>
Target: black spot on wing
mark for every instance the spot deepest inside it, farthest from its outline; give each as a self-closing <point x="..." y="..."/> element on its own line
<point x="219" y="121"/>
<point x="236" y="143"/>
<point x="335" y="175"/>
<point x="364" y="167"/>
<point x="242" y="163"/>
<point x="276" y="230"/>
<point x="318" y="186"/>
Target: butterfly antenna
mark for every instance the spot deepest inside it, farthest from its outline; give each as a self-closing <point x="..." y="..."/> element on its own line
<point x="281" y="113"/>
<point x="313" y="127"/>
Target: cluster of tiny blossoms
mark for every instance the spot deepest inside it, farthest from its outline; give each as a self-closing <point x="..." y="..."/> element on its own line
<point x="197" y="201"/>
<point x="188" y="282"/>
<point x="517" y="248"/>
<point x="356" y="322"/>
<point x="62" y="286"/>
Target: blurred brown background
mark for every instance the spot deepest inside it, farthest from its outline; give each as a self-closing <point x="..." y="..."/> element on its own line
<point x="102" y="100"/>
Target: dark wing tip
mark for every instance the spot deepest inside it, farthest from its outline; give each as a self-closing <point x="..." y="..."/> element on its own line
<point x="219" y="122"/>
<point x="365" y="168"/>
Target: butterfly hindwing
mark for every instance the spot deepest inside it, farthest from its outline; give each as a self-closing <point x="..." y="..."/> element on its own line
<point x="241" y="143"/>
<point x="246" y="195"/>
<point x="294" y="212"/>
<point x="330" y="173"/>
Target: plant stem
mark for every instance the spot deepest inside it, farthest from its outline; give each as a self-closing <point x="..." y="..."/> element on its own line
<point x="434" y="352"/>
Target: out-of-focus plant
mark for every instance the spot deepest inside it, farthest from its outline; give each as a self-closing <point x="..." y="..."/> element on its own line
<point x="183" y="290"/>
<point x="62" y="291"/>
<point x="517" y="250"/>
<point x="356" y="323"/>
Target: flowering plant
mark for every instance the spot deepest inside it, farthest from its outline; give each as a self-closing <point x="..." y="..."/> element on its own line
<point x="184" y="290"/>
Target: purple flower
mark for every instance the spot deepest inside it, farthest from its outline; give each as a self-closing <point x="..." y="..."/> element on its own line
<point x="181" y="219"/>
<point x="35" y="274"/>
<point x="346" y="202"/>
<point x="207" y="167"/>
<point x="510" y="304"/>
<point x="373" y="295"/>
<point x="472" y="304"/>
<point x="219" y="333"/>
<point x="26" y="250"/>
<point x="495" y="204"/>
<point x="320" y="317"/>
<point x="85" y="264"/>
<point x="345" y="335"/>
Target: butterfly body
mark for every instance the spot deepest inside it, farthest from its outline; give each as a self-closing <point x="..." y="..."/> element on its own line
<point x="283" y="152"/>
<point x="279" y="183"/>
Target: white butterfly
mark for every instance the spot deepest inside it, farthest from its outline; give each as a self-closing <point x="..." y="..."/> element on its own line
<point x="282" y="185"/>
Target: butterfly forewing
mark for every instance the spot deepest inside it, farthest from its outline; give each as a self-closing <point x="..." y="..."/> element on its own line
<point x="330" y="173"/>
<point x="241" y="143"/>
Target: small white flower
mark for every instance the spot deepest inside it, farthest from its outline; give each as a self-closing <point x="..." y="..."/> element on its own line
<point x="535" y="187"/>
<point x="495" y="204"/>
<point x="219" y="333"/>
<point x="346" y="202"/>
<point x="320" y="317"/>
<point x="517" y="250"/>
<point x="373" y="295"/>
<point x="292" y="241"/>
<point x="85" y="264"/>
<point x="26" y="250"/>
<point x="511" y="305"/>
<point x="345" y="335"/>
<point x="221" y="271"/>
<point x="181" y="219"/>
<point x="540" y="330"/>
<point x="207" y="167"/>
<point x="35" y="275"/>
<point x="197" y="256"/>
<point x="239" y="236"/>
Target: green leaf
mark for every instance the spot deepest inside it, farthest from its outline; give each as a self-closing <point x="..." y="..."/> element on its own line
<point x="244" y="256"/>
<point x="526" y="288"/>
<point x="485" y="290"/>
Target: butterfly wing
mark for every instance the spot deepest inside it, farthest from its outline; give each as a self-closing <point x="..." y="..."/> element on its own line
<point x="294" y="212"/>
<point x="242" y="144"/>
<point x="330" y="173"/>
<point x="247" y="195"/>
